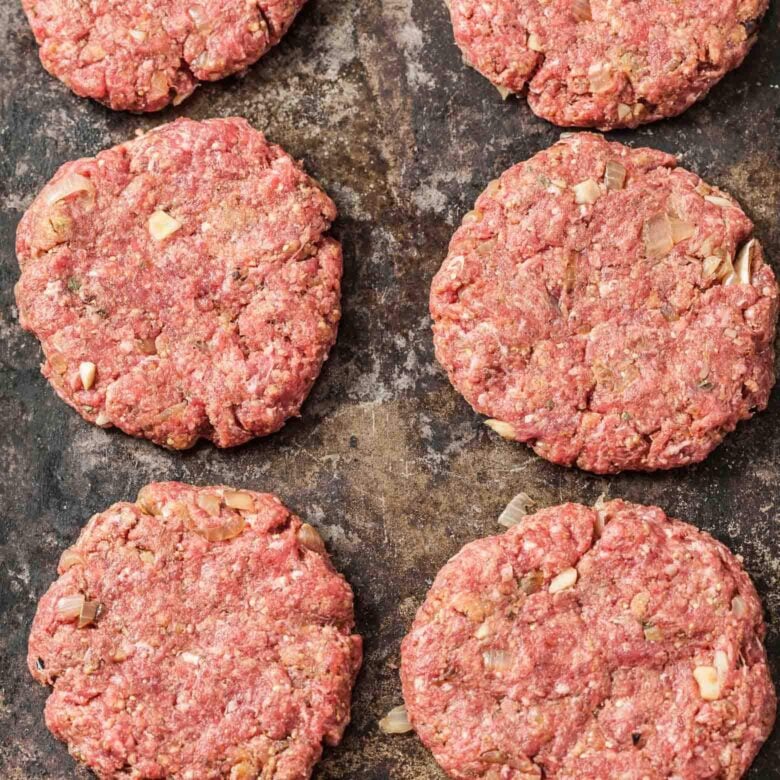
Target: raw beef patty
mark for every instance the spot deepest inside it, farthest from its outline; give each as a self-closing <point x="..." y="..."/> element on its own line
<point x="606" y="63"/>
<point x="182" y="284"/>
<point x="141" y="55"/>
<point x="608" y="308"/>
<point x="197" y="633"/>
<point x="586" y="644"/>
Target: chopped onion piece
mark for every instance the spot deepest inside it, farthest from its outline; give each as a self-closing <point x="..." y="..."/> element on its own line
<point x="515" y="510"/>
<point x="89" y="613"/>
<point x="738" y="606"/>
<point x="503" y="91"/>
<point x="535" y="43"/>
<point x="721" y="664"/>
<point x="503" y="429"/>
<point x="624" y="112"/>
<point x="563" y="581"/>
<point x="724" y="203"/>
<point x="162" y="225"/>
<point x="138" y="35"/>
<point x="310" y="538"/>
<point x="69" y="559"/>
<point x="237" y="499"/>
<point x="87" y="372"/>
<point x="715" y="265"/>
<point x="707" y="679"/>
<point x="396" y="721"/>
<point x="228" y="529"/>
<point x="600" y="77"/>
<point x="69" y="185"/>
<point x="586" y="191"/>
<point x="69" y="607"/>
<point x="658" y="236"/>
<point x="614" y="175"/>
<point x="743" y="266"/>
<point x="496" y="660"/>
<point x="681" y="230"/>
<point x="581" y="10"/>
<point x="209" y="502"/>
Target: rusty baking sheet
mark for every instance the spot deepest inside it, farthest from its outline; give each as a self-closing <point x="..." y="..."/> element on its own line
<point x="387" y="459"/>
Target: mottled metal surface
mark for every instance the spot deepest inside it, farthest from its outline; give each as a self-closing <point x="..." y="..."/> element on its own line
<point x="388" y="460"/>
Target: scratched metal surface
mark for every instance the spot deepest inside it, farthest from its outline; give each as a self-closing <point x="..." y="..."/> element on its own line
<point x="387" y="459"/>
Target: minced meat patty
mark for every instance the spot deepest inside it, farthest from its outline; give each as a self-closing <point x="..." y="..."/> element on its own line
<point x="182" y="284"/>
<point x="608" y="308"/>
<point x="591" y="643"/>
<point x="606" y="63"/>
<point x="141" y="55"/>
<point x="197" y="633"/>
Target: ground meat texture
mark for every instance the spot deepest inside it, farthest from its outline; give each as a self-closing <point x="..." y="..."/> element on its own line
<point x="182" y="284"/>
<point x="141" y="55"/>
<point x="606" y="63"/>
<point x="586" y="644"/>
<point x="608" y="308"/>
<point x="222" y="646"/>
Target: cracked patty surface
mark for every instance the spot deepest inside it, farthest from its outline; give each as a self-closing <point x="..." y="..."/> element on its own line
<point x="607" y="333"/>
<point x="222" y="647"/>
<point x="141" y="55"/>
<point x="570" y="648"/>
<point x="606" y="63"/>
<point x="217" y="329"/>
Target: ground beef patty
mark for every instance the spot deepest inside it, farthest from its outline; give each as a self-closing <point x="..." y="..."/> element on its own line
<point x="586" y="644"/>
<point x="142" y="55"/>
<point x="606" y="63"/>
<point x="197" y="633"/>
<point x="182" y="284"/>
<point x="608" y="308"/>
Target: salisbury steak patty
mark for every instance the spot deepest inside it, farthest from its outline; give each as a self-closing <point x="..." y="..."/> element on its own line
<point x="608" y="308"/>
<point x="197" y="633"/>
<point x="182" y="284"/>
<point x="587" y="644"/>
<point x="606" y="63"/>
<point x="142" y="55"/>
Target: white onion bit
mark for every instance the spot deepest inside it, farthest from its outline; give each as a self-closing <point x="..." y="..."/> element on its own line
<point x="237" y="499"/>
<point x="586" y="192"/>
<point x="745" y="262"/>
<point x="681" y="230"/>
<point x="496" y="660"/>
<point x="738" y="606"/>
<point x="563" y="581"/>
<point x="396" y="721"/>
<point x="69" y="607"/>
<point x="162" y="225"/>
<point x="69" y="559"/>
<point x="515" y="510"/>
<point x="707" y="679"/>
<point x="87" y="371"/>
<point x="658" y="236"/>
<point x="503" y="429"/>
<point x="614" y="175"/>
<point x="69" y="185"/>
